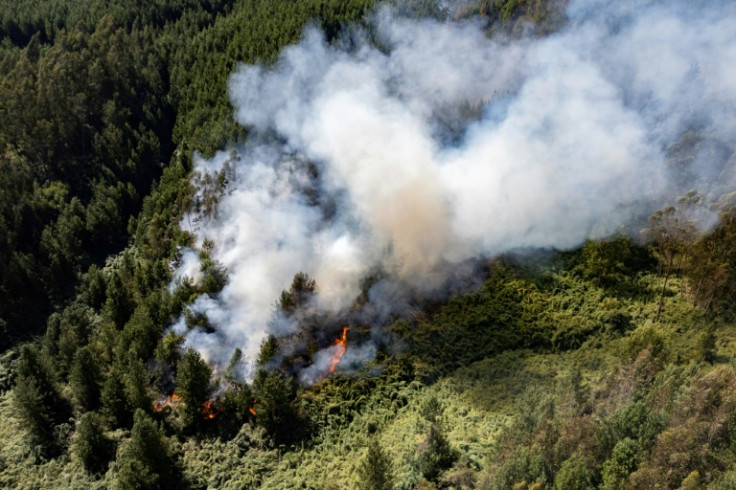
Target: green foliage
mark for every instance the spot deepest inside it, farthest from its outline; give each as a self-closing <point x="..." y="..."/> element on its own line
<point x="707" y="345"/>
<point x="672" y="232"/>
<point x="648" y="338"/>
<point x="275" y="412"/>
<point x="114" y="401"/>
<point x="524" y="465"/>
<point x="214" y="276"/>
<point x="147" y="460"/>
<point x="253" y="31"/>
<point x="302" y="289"/>
<point x="168" y="350"/>
<point x="119" y="304"/>
<point x="515" y="309"/>
<point x="83" y="380"/>
<point x="37" y="402"/>
<point x="193" y="385"/>
<point x="135" y="387"/>
<point x="636" y="421"/>
<point x="432" y="410"/>
<point x="545" y="376"/>
<point x="511" y="15"/>
<point x="93" y="448"/>
<point x="612" y="262"/>
<point x="574" y="474"/>
<point x="234" y="370"/>
<point x="237" y="405"/>
<point x="142" y="332"/>
<point x="374" y="473"/>
<point x="713" y="265"/>
<point x="623" y="461"/>
<point x="435" y="453"/>
<point x="94" y="288"/>
<point x="727" y="481"/>
<point x="88" y="130"/>
<point x="269" y="350"/>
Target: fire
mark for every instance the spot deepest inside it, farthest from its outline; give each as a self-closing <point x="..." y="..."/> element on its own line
<point x="252" y="408"/>
<point x="169" y="401"/>
<point x="208" y="412"/>
<point x="341" y="344"/>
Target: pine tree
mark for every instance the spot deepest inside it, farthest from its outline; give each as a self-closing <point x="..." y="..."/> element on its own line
<point x="114" y="402"/>
<point x="374" y="473"/>
<point x="273" y="393"/>
<point x="118" y="303"/>
<point x="37" y="402"/>
<point x="147" y="460"/>
<point x="91" y="446"/>
<point x="269" y="349"/>
<point x="83" y="379"/>
<point x="136" y="384"/>
<point x="193" y="384"/>
<point x="435" y="455"/>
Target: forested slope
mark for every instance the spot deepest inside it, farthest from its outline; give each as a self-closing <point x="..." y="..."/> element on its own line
<point x="95" y="102"/>
<point x="607" y="366"/>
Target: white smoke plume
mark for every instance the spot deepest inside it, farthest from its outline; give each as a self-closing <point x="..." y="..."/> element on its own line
<point x="444" y="145"/>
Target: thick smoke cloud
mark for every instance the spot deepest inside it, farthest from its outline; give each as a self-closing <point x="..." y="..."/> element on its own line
<point x="444" y="145"/>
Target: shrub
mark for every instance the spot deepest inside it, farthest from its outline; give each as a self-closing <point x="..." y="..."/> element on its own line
<point x="574" y="474"/>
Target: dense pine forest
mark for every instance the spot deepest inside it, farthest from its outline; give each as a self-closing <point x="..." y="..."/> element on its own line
<point x="586" y="340"/>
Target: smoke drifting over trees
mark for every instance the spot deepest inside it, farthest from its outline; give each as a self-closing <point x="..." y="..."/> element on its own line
<point x="433" y="144"/>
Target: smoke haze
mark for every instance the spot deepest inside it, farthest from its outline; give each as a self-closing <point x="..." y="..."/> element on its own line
<point x="445" y="145"/>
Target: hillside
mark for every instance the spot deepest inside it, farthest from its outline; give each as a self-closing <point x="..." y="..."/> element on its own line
<point x="326" y="244"/>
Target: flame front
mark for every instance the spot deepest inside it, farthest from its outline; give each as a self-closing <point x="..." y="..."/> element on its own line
<point x="172" y="400"/>
<point x="208" y="412"/>
<point x="341" y="344"/>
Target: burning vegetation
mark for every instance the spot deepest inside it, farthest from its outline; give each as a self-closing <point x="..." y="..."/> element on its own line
<point x="209" y="410"/>
<point x="341" y="344"/>
<point x="172" y="400"/>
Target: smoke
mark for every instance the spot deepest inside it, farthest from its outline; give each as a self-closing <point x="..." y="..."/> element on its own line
<point x="442" y="145"/>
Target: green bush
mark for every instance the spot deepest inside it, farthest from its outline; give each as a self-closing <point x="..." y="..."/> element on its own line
<point x="611" y="262"/>
<point x="623" y="461"/>
<point x="575" y="474"/>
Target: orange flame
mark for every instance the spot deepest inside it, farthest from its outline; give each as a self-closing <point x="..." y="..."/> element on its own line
<point x="342" y="344"/>
<point x="252" y="408"/>
<point x="172" y="400"/>
<point x="208" y="412"/>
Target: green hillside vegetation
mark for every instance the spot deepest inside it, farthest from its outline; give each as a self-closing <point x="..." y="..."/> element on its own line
<point x="610" y="366"/>
<point x="545" y="375"/>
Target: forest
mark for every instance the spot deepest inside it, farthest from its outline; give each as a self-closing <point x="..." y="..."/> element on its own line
<point x="603" y="359"/>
